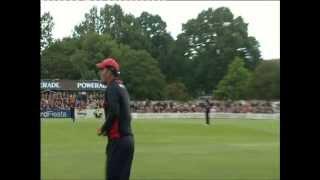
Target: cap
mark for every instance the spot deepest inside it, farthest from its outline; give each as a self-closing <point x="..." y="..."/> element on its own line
<point x="109" y="62"/>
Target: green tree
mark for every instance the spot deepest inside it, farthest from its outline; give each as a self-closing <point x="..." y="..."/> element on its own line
<point x="234" y="86"/>
<point x="199" y="58"/>
<point x="141" y="73"/>
<point x="111" y="20"/>
<point x="47" y="25"/>
<point x="265" y="83"/>
<point x="214" y="39"/>
<point x="132" y="34"/>
<point x="147" y="32"/>
<point x="75" y="58"/>
<point x="154" y="29"/>
<point x="55" y="60"/>
<point x="152" y="25"/>
<point x="177" y="91"/>
<point x="90" y="24"/>
<point x="124" y="28"/>
<point x="176" y="67"/>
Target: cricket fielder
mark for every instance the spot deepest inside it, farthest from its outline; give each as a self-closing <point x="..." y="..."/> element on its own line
<point x="207" y="108"/>
<point x="117" y="125"/>
<point x="72" y="110"/>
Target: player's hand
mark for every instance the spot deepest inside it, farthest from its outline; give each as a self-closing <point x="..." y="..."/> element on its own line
<point x="99" y="131"/>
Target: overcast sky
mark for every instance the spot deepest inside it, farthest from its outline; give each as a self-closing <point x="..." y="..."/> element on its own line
<point x="263" y="16"/>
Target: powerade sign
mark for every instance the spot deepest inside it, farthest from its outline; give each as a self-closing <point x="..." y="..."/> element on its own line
<point x="81" y="85"/>
<point x="90" y="85"/>
<point x="50" y="85"/>
<point x="56" y="114"/>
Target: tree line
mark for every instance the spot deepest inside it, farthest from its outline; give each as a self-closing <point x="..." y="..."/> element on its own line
<point x="212" y="55"/>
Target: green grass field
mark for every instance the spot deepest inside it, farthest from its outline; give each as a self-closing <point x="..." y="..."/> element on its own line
<point x="165" y="149"/>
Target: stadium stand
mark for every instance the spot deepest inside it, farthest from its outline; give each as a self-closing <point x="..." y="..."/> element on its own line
<point x="51" y="100"/>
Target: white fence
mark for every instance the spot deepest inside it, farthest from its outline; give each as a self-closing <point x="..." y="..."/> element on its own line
<point x="86" y="113"/>
<point x="89" y="113"/>
<point x="202" y="115"/>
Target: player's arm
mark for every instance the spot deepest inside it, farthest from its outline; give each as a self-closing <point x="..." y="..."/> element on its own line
<point x="114" y="109"/>
<point x="101" y="130"/>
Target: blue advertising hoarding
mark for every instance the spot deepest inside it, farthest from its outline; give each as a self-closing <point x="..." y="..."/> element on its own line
<point x="55" y="114"/>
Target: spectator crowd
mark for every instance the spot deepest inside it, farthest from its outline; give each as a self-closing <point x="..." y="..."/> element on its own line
<point x="65" y="100"/>
<point x="198" y="106"/>
<point x="82" y="100"/>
